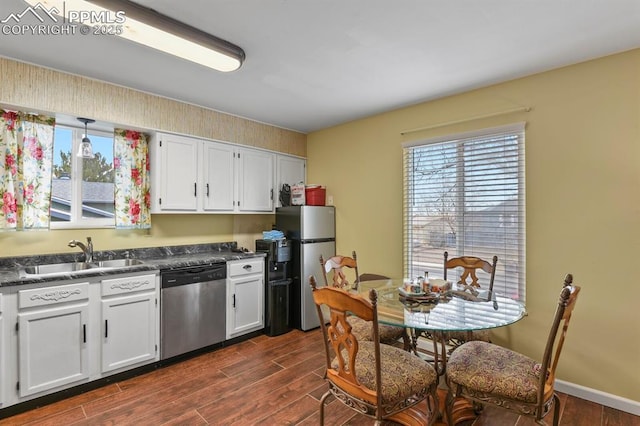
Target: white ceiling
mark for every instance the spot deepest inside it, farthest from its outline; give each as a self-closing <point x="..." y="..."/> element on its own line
<point x="312" y="64"/>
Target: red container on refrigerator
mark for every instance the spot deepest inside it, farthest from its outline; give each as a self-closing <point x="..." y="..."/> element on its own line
<point x="315" y="195"/>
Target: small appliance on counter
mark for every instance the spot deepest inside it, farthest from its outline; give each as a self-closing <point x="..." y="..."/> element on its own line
<point x="277" y="285"/>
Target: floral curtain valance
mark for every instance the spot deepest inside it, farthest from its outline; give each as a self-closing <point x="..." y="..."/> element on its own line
<point x="26" y="158"/>
<point x="132" y="180"/>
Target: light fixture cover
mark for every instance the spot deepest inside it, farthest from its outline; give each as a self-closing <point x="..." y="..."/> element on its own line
<point x="149" y="28"/>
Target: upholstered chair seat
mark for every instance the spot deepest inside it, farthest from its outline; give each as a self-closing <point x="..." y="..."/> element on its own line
<point x="467" y="336"/>
<point x="380" y="381"/>
<point x="492" y="369"/>
<point x="486" y="373"/>
<point x="403" y="374"/>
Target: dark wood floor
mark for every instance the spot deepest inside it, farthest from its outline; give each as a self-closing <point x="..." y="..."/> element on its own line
<point x="261" y="381"/>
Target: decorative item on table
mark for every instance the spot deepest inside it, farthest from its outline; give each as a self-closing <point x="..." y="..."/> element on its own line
<point x="410" y="288"/>
<point x="315" y="195"/>
<point x="422" y="300"/>
<point x="426" y="284"/>
<point x="439" y="285"/>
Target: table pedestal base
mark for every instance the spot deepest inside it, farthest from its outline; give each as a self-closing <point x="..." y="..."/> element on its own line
<point x="411" y="416"/>
<point x="462" y="410"/>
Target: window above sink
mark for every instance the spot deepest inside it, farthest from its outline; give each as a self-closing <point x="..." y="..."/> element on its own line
<point x="82" y="193"/>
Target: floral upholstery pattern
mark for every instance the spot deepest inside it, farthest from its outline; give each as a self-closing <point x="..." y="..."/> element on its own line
<point x="464" y="336"/>
<point x="403" y="374"/>
<point x="363" y="332"/>
<point x="492" y="369"/>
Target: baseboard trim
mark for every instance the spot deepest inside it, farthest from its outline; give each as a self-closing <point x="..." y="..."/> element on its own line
<point x="593" y="395"/>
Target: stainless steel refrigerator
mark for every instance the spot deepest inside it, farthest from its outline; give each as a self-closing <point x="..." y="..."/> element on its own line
<point x="312" y="231"/>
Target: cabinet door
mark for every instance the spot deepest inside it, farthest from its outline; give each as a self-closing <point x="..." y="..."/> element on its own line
<point x="218" y="191"/>
<point x="178" y="173"/>
<point x="290" y="170"/>
<point x="246" y="304"/>
<point x="52" y="347"/>
<point x="128" y="330"/>
<point x="255" y="181"/>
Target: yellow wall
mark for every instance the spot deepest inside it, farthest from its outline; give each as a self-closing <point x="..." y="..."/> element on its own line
<point x="38" y="89"/>
<point x="583" y="203"/>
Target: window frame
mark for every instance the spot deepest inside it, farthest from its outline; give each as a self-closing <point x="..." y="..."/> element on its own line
<point x="455" y="143"/>
<point x="77" y="221"/>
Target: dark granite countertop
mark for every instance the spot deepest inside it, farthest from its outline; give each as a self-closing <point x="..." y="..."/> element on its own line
<point x="153" y="259"/>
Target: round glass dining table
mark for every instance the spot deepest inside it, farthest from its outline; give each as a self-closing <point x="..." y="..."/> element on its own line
<point x="439" y="313"/>
<point x="448" y="311"/>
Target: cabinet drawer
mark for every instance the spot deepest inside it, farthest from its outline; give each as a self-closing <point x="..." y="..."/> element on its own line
<point x="238" y="268"/>
<point x="52" y="295"/>
<point x="128" y="284"/>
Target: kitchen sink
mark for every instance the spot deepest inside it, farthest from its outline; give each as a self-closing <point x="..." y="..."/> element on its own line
<point x="55" y="268"/>
<point x="118" y="263"/>
<point x="75" y="267"/>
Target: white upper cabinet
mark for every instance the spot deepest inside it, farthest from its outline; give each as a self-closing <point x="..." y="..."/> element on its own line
<point x="218" y="182"/>
<point x="177" y="189"/>
<point x="255" y="181"/>
<point x="191" y="175"/>
<point x="289" y="170"/>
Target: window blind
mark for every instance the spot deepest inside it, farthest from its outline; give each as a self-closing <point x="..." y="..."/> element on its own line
<point x="465" y="194"/>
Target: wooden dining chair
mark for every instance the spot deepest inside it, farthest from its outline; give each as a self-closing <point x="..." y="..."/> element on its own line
<point x="377" y="380"/>
<point x="335" y="265"/>
<point x="342" y="279"/>
<point x="470" y="282"/>
<point x="489" y="374"/>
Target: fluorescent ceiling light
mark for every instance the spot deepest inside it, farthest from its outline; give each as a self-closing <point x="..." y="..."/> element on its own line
<point x="149" y="28"/>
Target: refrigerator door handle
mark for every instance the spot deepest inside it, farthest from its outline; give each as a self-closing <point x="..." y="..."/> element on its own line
<point x="317" y="240"/>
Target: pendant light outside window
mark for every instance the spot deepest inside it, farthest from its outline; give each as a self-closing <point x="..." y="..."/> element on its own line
<point x="85" y="150"/>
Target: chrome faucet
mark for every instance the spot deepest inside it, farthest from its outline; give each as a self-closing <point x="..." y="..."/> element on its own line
<point x="86" y="249"/>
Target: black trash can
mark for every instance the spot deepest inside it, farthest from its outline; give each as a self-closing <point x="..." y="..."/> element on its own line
<point x="277" y="318"/>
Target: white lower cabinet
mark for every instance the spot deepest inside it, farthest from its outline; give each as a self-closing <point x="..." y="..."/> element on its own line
<point x="129" y="321"/>
<point x="245" y="296"/>
<point x="75" y="331"/>
<point x="52" y="337"/>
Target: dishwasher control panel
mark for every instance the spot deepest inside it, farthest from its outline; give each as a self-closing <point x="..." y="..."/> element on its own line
<point x="193" y="274"/>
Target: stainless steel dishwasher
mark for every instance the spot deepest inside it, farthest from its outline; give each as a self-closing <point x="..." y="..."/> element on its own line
<point x="192" y="308"/>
